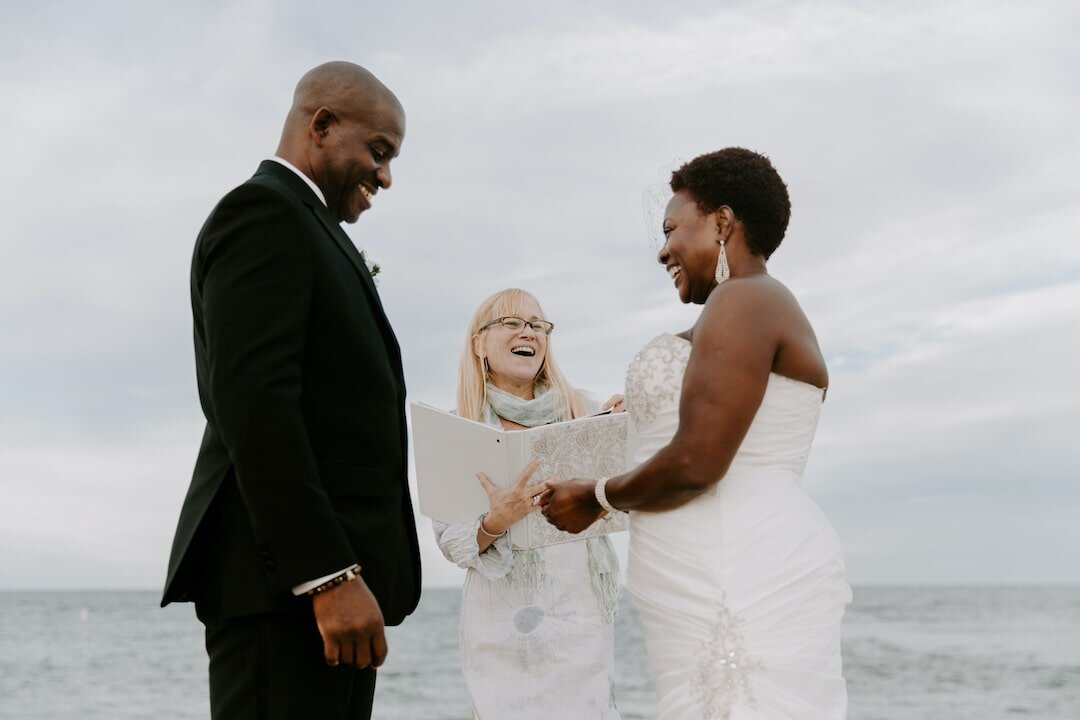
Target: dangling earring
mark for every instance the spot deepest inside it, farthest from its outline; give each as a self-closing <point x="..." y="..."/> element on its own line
<point x="487" y="368"/>
<point x="723" y="272"/>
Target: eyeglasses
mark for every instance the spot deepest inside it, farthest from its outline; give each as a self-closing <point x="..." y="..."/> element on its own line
<point x="516" y="324"/>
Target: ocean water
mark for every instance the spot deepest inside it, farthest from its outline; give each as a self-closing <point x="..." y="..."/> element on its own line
<point x="909" y="652"/>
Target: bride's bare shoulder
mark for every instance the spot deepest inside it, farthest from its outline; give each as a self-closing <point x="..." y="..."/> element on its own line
<point x="757" y="299"/>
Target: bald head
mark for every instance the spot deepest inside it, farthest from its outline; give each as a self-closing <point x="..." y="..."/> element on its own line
<point x="337" y="85"/>
<point x="342" y="87"/>
<point x="342" y="130"/>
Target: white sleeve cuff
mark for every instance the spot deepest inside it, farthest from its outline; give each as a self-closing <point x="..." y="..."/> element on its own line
<point x="302" y="589"/>
<point x="458" y="544"/>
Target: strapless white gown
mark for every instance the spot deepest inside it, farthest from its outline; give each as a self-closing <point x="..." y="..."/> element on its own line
<point x="740" y="591"/>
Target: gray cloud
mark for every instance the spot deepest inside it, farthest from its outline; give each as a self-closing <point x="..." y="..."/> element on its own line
<point x="930" y="153"/>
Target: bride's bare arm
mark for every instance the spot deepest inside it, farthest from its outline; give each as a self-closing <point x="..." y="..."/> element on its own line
<point x="734" y="343"/>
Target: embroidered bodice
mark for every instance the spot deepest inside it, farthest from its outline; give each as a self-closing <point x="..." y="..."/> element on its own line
<point x="779" y="438"/>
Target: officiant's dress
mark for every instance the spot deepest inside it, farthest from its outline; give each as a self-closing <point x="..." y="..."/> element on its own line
<point x="741" y="591"/>
<point x="537" y="626"/>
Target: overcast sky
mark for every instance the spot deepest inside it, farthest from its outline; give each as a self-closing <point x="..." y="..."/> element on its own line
<point x="930" y="149"/>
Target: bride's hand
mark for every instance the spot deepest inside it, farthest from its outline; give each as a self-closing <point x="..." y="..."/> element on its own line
<point x="508" y="505"/>
<point x="571" y="505"/>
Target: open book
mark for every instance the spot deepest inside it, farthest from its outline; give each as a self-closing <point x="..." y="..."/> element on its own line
<point x="450" y="450"/>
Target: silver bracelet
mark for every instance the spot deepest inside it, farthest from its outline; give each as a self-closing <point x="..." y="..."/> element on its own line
<point x="601" y="496"/>
<point x="493" y="537"/>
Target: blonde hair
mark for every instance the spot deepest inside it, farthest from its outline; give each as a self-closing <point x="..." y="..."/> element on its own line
<point x="472" y="381"/>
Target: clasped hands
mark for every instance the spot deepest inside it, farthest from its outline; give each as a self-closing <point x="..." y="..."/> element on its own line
<point x="569" y="505"/>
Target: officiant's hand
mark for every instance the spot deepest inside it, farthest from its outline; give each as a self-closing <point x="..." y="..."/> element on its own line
<point x="571" y="505"/>
<point x="351" y="625"/>
<point x="508" y="505"/>
<point x="616" y="404"/>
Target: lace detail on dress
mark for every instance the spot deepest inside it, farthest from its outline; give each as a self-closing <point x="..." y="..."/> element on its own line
<point x="654" y="378"/>
<point x="535" y="650"/>
<point x="724" y="667"/>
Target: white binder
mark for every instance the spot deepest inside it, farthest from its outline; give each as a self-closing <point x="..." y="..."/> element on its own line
<point x="450" y="450"/>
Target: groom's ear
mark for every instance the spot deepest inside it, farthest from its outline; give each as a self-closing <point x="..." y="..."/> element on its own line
<point x="320" y="124"/>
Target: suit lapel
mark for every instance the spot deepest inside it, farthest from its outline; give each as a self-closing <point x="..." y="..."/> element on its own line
<point x="344" y="243"/>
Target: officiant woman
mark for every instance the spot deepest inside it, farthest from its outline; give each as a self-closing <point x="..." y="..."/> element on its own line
<point x="537" y="635"/>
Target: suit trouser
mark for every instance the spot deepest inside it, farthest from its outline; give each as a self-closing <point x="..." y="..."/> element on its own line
<point x="271" y="667"/>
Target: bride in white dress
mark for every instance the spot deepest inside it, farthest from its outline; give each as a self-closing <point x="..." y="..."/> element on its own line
<point x="736" y="574"/>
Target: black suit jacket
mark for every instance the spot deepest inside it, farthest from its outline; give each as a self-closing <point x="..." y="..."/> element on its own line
<point x="302" y="469"/>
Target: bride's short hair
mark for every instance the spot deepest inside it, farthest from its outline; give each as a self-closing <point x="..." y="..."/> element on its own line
<point x="472" y="377"/>
<point x="746" y="182"/>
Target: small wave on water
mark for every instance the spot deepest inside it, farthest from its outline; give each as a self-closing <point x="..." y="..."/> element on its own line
<point x="909" y="652"/>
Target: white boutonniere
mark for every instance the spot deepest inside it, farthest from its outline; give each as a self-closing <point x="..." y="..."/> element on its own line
<point x="373" y="267"/>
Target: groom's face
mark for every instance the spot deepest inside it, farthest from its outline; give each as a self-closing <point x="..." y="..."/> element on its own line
<point x="354" y="155"/>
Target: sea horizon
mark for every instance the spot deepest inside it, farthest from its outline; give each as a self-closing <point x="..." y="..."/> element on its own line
<point x="622" y="584"/>
<point x="962" y="652"/>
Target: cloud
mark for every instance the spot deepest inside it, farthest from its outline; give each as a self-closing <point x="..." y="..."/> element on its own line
<point x="929" y="151"/>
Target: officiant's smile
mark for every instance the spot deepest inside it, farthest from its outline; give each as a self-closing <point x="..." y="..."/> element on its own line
<point x="513" y="349"/>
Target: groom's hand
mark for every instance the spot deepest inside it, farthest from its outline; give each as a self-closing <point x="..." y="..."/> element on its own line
<point x="351" y="625"/>
<point x="571" y="506"/>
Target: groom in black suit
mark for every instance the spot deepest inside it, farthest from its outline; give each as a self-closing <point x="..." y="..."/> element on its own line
<point x="296" y="541"/>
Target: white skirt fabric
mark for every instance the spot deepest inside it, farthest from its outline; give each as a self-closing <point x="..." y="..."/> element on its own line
<point x="741" y="592"/>
<point x="537" y="626"/>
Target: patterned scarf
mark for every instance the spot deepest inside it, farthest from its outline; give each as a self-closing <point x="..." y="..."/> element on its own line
<point x="543" y="409"/>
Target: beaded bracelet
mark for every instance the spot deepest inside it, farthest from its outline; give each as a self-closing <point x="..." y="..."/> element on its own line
<point x="347" y="576"/>
<point x="493" y="537"/>
<point x="601" y="496"/>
